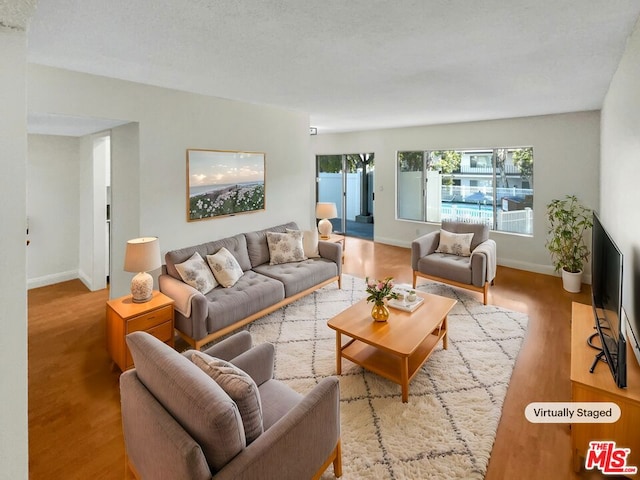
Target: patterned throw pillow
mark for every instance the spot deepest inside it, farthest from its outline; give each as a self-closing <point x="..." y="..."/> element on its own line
<point x="240" y="387"/>
<point x="195" y="272"/>
<point x="455" y="243"/>
<point x="225" y="267"/>
<point x="285" y="247"/>
<point x="309" y="242"/>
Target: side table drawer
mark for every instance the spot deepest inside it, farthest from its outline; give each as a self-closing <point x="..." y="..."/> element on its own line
<point x="150" y="320"/>
<point x="163" y="332"/>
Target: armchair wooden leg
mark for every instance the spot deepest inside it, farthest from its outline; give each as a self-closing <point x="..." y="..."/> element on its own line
<point x="336" y="459"/>
<point x="337" y="462"/>
<point x="415" y="278"/>
<point x="485" y="292"/>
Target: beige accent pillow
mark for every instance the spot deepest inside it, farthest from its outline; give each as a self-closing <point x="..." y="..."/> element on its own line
<point x="455" y="243"/>
<point x="240" y="387"/>
<point x="285" y="247"/>
<point x="195" y="272"/>
<point x="309" y="242"/>
<point x="225" y="267"/>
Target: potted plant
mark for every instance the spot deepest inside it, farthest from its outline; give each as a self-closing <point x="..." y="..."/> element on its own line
<point x="568" y="220"/>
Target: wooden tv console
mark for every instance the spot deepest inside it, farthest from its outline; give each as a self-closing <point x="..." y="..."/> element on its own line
<point x="600" y="387"/>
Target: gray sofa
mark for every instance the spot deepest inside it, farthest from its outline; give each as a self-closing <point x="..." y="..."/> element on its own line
<point x="179" y="423"/>
<point x="263" y="288"/>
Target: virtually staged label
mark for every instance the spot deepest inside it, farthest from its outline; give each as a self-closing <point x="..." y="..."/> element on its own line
<point x="572" y="412"/>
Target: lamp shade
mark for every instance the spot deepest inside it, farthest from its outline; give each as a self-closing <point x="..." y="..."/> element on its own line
<point x="142" y="255"/>
<point x="326" y="210"/>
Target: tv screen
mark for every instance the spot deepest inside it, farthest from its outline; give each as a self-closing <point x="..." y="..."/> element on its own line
<point x="606" y="293"/>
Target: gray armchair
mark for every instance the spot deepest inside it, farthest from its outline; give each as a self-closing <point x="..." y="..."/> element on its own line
<point x="474" y="272"/>
<point x="178" y="423"/>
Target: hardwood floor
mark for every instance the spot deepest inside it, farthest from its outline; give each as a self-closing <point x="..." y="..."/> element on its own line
<point x="74" y="412"/>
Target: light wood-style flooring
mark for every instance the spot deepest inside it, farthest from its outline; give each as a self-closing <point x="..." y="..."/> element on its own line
<point x="74" y="412"/>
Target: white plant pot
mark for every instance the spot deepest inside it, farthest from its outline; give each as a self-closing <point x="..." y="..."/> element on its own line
<point x="572" y="282"/>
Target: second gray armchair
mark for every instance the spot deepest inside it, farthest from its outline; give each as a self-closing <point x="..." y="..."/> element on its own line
<point x="471" y="266"/>
<point x="179" y="423"/>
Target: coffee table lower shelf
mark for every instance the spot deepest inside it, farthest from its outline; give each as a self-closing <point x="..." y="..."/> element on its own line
<point x="399" y="369"/>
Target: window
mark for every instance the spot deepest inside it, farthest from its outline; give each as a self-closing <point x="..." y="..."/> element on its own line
<point x="492" y="186"/>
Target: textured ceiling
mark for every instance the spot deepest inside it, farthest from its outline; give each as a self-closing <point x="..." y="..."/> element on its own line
<point x="356" y="64"/>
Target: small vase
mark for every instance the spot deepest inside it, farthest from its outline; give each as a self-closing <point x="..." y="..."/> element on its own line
<point x="380" y="312"/>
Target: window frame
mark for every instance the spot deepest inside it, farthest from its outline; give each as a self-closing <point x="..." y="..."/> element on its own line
<point x="511" y="206"/>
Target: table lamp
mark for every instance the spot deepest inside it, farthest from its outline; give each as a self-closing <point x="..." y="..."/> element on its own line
<point x="325" y="211"/>
<point x="142" y="255"/>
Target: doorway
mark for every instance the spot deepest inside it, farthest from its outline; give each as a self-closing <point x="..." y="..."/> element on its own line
<point x="347" y="180"/>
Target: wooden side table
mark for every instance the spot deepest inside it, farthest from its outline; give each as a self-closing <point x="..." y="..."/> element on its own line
<point x="124" y="316"/>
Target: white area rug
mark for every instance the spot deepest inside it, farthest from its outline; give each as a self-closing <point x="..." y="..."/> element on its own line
<point x="447" y="429"/>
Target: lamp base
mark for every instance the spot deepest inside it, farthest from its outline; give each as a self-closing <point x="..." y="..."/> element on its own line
<point x="325" y="228"/>
<point x="142" y="287"/>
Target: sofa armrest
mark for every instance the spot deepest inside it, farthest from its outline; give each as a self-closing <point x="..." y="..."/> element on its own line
<point x="484" y="263"/>
<point x="231" y="347"/>
<point x="182" y="294"/>
<point x="423" y="246"/>
<point x="257" y="362"/>
<point x="304" y="437"/>
<point x="331" y="251"/>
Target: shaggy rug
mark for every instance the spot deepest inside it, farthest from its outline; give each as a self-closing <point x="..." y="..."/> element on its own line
<point x="448" y="427"/>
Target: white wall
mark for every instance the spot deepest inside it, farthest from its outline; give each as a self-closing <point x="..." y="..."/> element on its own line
<point x="13" y="270"/>
<point x="620" y="170"/>
<point x="169" y="123"/>
<point x="125" y="201"/>
<point x="566" y="158"/>
<point x="53" y="184"/>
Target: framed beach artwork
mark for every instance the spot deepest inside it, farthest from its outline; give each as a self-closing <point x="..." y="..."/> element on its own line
<point x="222" y="183"/>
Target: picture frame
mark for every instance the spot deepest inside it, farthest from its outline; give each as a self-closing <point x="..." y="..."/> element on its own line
<point x="223" y="183"/>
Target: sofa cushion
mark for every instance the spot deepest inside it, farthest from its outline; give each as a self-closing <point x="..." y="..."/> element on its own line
<point x="257" y="247"/>
<point x="455" y="243"/>
<point x="240" y="387"/>
<point x="252" y="293"/>
<point x="480" y="231"/>
<point x="285" y="247"/>
<point x="237" y="245"/>
<point x="300" y="276"/>
<point x="443" y="265"/>
<point x="309" y="242"/>
<point x="196" y="273"/>
<point x="201" y="406"/>
<point x="225" y="267"/>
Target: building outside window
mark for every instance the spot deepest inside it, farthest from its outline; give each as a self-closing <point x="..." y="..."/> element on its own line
<point x="490" y="186"/>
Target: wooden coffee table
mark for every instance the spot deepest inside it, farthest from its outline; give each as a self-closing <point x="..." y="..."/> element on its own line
<point x="395" y="349"/>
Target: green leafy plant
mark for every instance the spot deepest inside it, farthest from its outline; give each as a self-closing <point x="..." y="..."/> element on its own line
<point x="568" y="221"/>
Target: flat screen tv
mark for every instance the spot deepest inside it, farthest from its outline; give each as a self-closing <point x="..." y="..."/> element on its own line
<point x="606" y="297"/>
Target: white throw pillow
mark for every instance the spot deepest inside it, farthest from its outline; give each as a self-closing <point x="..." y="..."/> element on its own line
<point x="225" y="267"/>
<point x="285" y="247"/>
<point x="240" y="387"/>
<point x="309" y="242"/>
<point x="455" y="243"/>
<point x="195" y="272"/>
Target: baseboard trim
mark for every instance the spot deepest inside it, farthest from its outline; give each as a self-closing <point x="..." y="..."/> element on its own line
<point x="51" y="279"/>
<point x="84" y="278"/>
